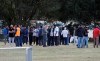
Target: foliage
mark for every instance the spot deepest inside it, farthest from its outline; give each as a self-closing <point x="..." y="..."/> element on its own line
<point x="21" y="11"/>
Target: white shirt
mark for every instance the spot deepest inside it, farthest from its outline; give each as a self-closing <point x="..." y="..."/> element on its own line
<point x="35" y="32"/>
<point x="64" y="33"/>
<point x="56" y="31"/>
<point x="51" y="32"/>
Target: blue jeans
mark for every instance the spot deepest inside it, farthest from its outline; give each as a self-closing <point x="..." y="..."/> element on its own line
<point x="80" y="42"/>
<point x="6" y="38"/>
<point x="66" y="40"/>
<point x="17" y="41"/>
<point x="21" y="40"/>
<point x="85" y="41"/>
<point x="44" y="40"/>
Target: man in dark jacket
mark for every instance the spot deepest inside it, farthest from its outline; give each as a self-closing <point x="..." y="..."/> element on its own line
<point x="80" y="32"/>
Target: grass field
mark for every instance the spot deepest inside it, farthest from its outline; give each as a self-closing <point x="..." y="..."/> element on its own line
<point x="56" y="53"/>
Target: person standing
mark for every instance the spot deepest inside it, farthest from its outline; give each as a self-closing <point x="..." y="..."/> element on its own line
<point x="36" y="36"/>
<point x="11" y="35"/>
<point x="96" y="33"/>
<point x="30" y="36"/>
<point x="65" y="33"/>
<point x="40" y="36"/>
<point x="52" y="36"/>
<point x="44" y="36"/>
<point x="5" y="34"/>
<point x="85" y="37"/>
<point x="48" y="36"/>
<point x="80" y="32"/>
<point x="56" y="35"/>
<point x="17" y="36"/>
<point x="25" y="35"/>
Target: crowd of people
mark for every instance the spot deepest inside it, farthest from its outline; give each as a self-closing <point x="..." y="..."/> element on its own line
<point x="49" y="35"/>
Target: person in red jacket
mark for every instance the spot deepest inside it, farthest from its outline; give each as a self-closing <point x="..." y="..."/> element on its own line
<point x="96" y="33"/>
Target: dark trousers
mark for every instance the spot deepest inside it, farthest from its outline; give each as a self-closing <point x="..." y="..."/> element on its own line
<point x="21" y="40"/>
<point x="52" y="40"/>
<point x="61" y="40"/>
<point x="48" y="41"/>
<point x="37" y="41"/>
<point x="40" y="40"/>
<point x="17" y="41"/>
<point x="30" y="40"/>
<point x="56" y="40"/>
<point x="25" y="39"/>
<point x="34" y="39"/>
<point x="66" y="40"/>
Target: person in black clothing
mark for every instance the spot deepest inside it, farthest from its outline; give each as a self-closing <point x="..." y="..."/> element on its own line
<point x="48" y="36"/>
<point x="85" y="37"/>
<point x="61" y="37"/>
<point x="52" y="36"/>
<point x="71" y="30"/>
<point x="30" y="36"/>
<point x="80" y="32"/>
<point x="11" y="35"/>
<point x="40" y="36"/>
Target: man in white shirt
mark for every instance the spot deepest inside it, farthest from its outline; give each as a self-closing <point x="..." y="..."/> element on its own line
<point x="56" y="35"/>
<point x="36" y="35"/>
<point x="65" y="33"/>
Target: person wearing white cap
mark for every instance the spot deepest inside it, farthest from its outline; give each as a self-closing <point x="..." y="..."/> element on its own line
<point x="65" y="33"/>
<point x="11" y="35"/>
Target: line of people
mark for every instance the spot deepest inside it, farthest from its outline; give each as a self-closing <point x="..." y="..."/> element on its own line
<point x="49" y="35"/>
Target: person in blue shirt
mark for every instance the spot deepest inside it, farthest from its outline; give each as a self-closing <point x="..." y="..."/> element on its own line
<point x="5" y="34"/>
<point x="25" y="35"/>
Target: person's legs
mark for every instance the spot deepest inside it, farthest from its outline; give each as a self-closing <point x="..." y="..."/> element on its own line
<point x="81" y="42"/>
<point x="16" y="41"/>
<point x="86" y="41"/>
<point x="94" y="42"/>
<point x="5" y="39"/>
<point x="56" y="40"/>
<point x="21" y="40"/>
<point x="30" y="40"/>
<point x="48" y="41"/>
<point x="40" y="40"/>
<point x="37" y="41"/>
<point x="26" y="40"/>
<point x="71" y="39"/>
<point x="97" y="42"/>
<point x="52" y="40"/>
<point x="10" y="41"/>
<point x="13" y="41"/>
<point x="79" y="39"/>
<point x="34" y="39"/>
<point x="66" y="40"/>
<point x="44" y="41"/>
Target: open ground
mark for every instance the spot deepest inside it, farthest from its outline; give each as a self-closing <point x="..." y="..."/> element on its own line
<point x="53" y="53"/>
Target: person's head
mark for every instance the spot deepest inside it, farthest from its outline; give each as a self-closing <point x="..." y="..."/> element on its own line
<point x="11" y="26"/>
<point x="96" y="26"/>
<point x="65" y="28"/>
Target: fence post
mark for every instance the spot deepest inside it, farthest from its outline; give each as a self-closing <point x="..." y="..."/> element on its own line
<point x="29" y="54"/>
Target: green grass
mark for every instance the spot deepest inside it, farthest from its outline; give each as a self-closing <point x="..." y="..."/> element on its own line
<point x="58" y="53"/>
